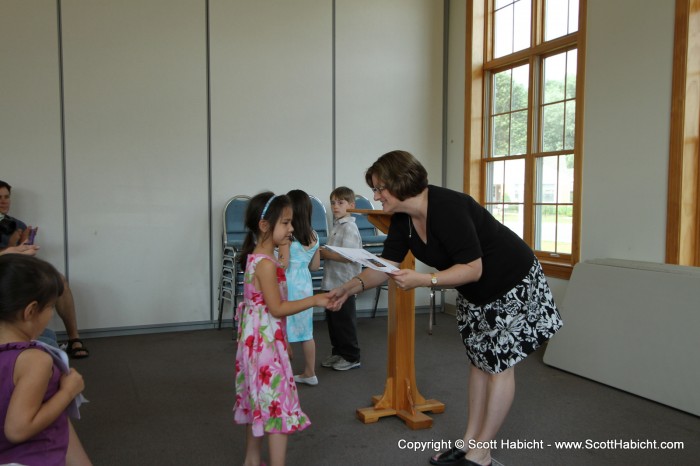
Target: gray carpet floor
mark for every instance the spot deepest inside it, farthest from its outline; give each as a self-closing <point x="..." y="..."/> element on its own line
<point x="166" y="399"/>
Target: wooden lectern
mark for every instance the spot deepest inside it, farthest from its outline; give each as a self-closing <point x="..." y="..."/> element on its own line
<point x="401" y="396"/>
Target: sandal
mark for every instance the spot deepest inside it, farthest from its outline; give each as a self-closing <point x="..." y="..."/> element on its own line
<point x="452" y="457"/>
<point x="77" y="352"/>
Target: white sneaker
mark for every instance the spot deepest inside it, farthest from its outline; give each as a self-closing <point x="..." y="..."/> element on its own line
<point x="307" y="380"/>
<point x="330" y="360"/>
<point x="344" y="365"/>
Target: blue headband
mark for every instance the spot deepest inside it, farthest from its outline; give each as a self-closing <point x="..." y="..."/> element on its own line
<point x="267" y="204"/>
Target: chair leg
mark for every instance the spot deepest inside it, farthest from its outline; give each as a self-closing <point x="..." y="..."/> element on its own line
<point x="431" y="311"/>
<point x="221" y="306"/>
<point x="376" y="301"/>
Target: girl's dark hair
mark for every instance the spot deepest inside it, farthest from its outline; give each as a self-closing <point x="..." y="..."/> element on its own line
<point x="402" y="174"/>
<point x="24" y="279"/>
<point x="254" y="213"/>
<point x="301" y="219"/>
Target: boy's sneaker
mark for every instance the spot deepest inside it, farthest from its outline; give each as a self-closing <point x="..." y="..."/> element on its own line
<point x="344" y="365"/>
<point x="330" y="360"/>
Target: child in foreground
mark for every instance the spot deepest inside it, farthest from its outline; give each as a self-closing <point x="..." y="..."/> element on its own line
<point x="34" y="393"/>
<point x="266" y="395"/>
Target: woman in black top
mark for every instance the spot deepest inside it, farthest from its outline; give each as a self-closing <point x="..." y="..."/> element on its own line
<point x="505" y="308"/>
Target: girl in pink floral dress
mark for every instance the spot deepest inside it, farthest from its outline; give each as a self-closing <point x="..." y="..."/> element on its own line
<point x="266" y="395"/>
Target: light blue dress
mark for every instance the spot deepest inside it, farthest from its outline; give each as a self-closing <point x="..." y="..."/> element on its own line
<point x="299" y="286"/>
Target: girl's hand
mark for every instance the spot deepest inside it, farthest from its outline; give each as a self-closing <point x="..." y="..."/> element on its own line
<point x="321" y="300"/>
<point x="337" y="297"/>
<point x="72" y="382"/>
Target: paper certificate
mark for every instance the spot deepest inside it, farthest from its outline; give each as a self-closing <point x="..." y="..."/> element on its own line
<point x="364" y="257"/>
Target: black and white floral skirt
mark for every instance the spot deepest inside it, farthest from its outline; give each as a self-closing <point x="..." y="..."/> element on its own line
<point x="500" y="334"/>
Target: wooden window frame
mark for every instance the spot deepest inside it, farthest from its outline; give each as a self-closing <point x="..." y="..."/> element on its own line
<point x="478" y="67"/>
<point x="683" y="202"/>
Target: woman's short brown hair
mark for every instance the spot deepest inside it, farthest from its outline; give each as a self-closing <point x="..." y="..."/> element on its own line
<point x="402" y="174"/>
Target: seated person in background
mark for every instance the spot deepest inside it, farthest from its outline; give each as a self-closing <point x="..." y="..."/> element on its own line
<point x="13" y="235"/>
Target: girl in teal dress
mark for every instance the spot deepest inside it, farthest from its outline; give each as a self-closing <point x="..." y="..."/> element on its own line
<point x="301" y="257"/>
<point x="266" y="395"/>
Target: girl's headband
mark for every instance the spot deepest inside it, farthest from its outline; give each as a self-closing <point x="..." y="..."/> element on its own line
<point x="267" y="204"/>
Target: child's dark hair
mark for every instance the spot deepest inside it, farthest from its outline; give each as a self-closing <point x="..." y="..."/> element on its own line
<point x="259" y="209"/>
<point x="301" y="219"/>
<point x="24" y="279"/>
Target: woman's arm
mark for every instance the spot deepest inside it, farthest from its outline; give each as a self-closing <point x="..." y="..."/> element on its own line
<point x="266" y="279"/>
<point x="457" y="275"/>
<point x="27" y="414"/>
<point x="369" y="278"/>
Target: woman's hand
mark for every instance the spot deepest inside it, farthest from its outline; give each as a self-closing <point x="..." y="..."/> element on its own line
<point x="408" y="279"/>
<point x="337" y="296"/>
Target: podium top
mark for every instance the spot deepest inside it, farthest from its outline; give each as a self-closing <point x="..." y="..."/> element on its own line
<point x="378" y="218"/>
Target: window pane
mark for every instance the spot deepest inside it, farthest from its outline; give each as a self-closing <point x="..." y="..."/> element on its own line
<point x="573" y="16"/>
<point x="564" y="229"/>
<point x="503" y="31"/>
<point x="553" y="209"/>
<point x="514" y="181"/>
<point x="501" y="135"/>
<point x="494" y="181"/>
<point x="496" y="210"/>
<point x="561" y="18"/>
<point x="554" y="78"/>
<point x="521" y="25"/>
<point x="571" y="57"/>
<point x="521" y="79"/>
<point x="553" y="127"/>
<point x="547" y="179"/>
<point x="513" y="218"/>
<point x="565" y="189"/>
<point x="570" y="124"/>
<point x="511" y="26"/>
<point x="501" y="92"/>
<point x="518" y="133"/>
<point x="546" y="228"/>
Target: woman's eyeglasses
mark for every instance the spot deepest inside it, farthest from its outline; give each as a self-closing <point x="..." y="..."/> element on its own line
<point x="378" y="189"/>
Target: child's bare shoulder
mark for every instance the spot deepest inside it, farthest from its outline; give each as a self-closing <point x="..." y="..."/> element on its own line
<point x="32" y="359"/>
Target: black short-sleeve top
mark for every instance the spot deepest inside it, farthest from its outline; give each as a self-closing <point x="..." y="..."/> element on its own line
<point x="459" y="231"/>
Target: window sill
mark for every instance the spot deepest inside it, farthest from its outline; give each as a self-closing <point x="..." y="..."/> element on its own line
<point x="557" y="269"/>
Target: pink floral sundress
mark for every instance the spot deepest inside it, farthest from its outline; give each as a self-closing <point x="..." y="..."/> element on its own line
<point x="266" y="395"/>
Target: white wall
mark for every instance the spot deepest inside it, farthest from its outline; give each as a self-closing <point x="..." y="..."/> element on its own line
<point x="629" y="60"/>
<point x="30" y="120"/>
<point x="136" y="161"/>
<point x="139" y="171"/>
<point x="145" y="189"/>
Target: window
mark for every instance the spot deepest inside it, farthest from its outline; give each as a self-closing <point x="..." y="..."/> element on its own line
<point x="525" y="133"/>
<point x="683" y="223"/>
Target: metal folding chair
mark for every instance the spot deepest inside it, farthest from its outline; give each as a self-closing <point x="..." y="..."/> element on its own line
<point x="234" y="232"/>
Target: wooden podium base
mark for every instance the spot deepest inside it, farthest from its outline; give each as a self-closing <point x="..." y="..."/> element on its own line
<point x="415" y="420"/>
<point x="400" y="399"/>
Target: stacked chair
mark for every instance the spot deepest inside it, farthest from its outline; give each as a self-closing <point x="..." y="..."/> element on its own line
<point x="234" y="232"/>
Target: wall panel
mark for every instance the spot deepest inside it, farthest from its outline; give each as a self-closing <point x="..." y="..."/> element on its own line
<point x="136" y="161"/>
<point x="271" y="115"/>
<point x="30" y="119"/>
<point x="389" y="61"/>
